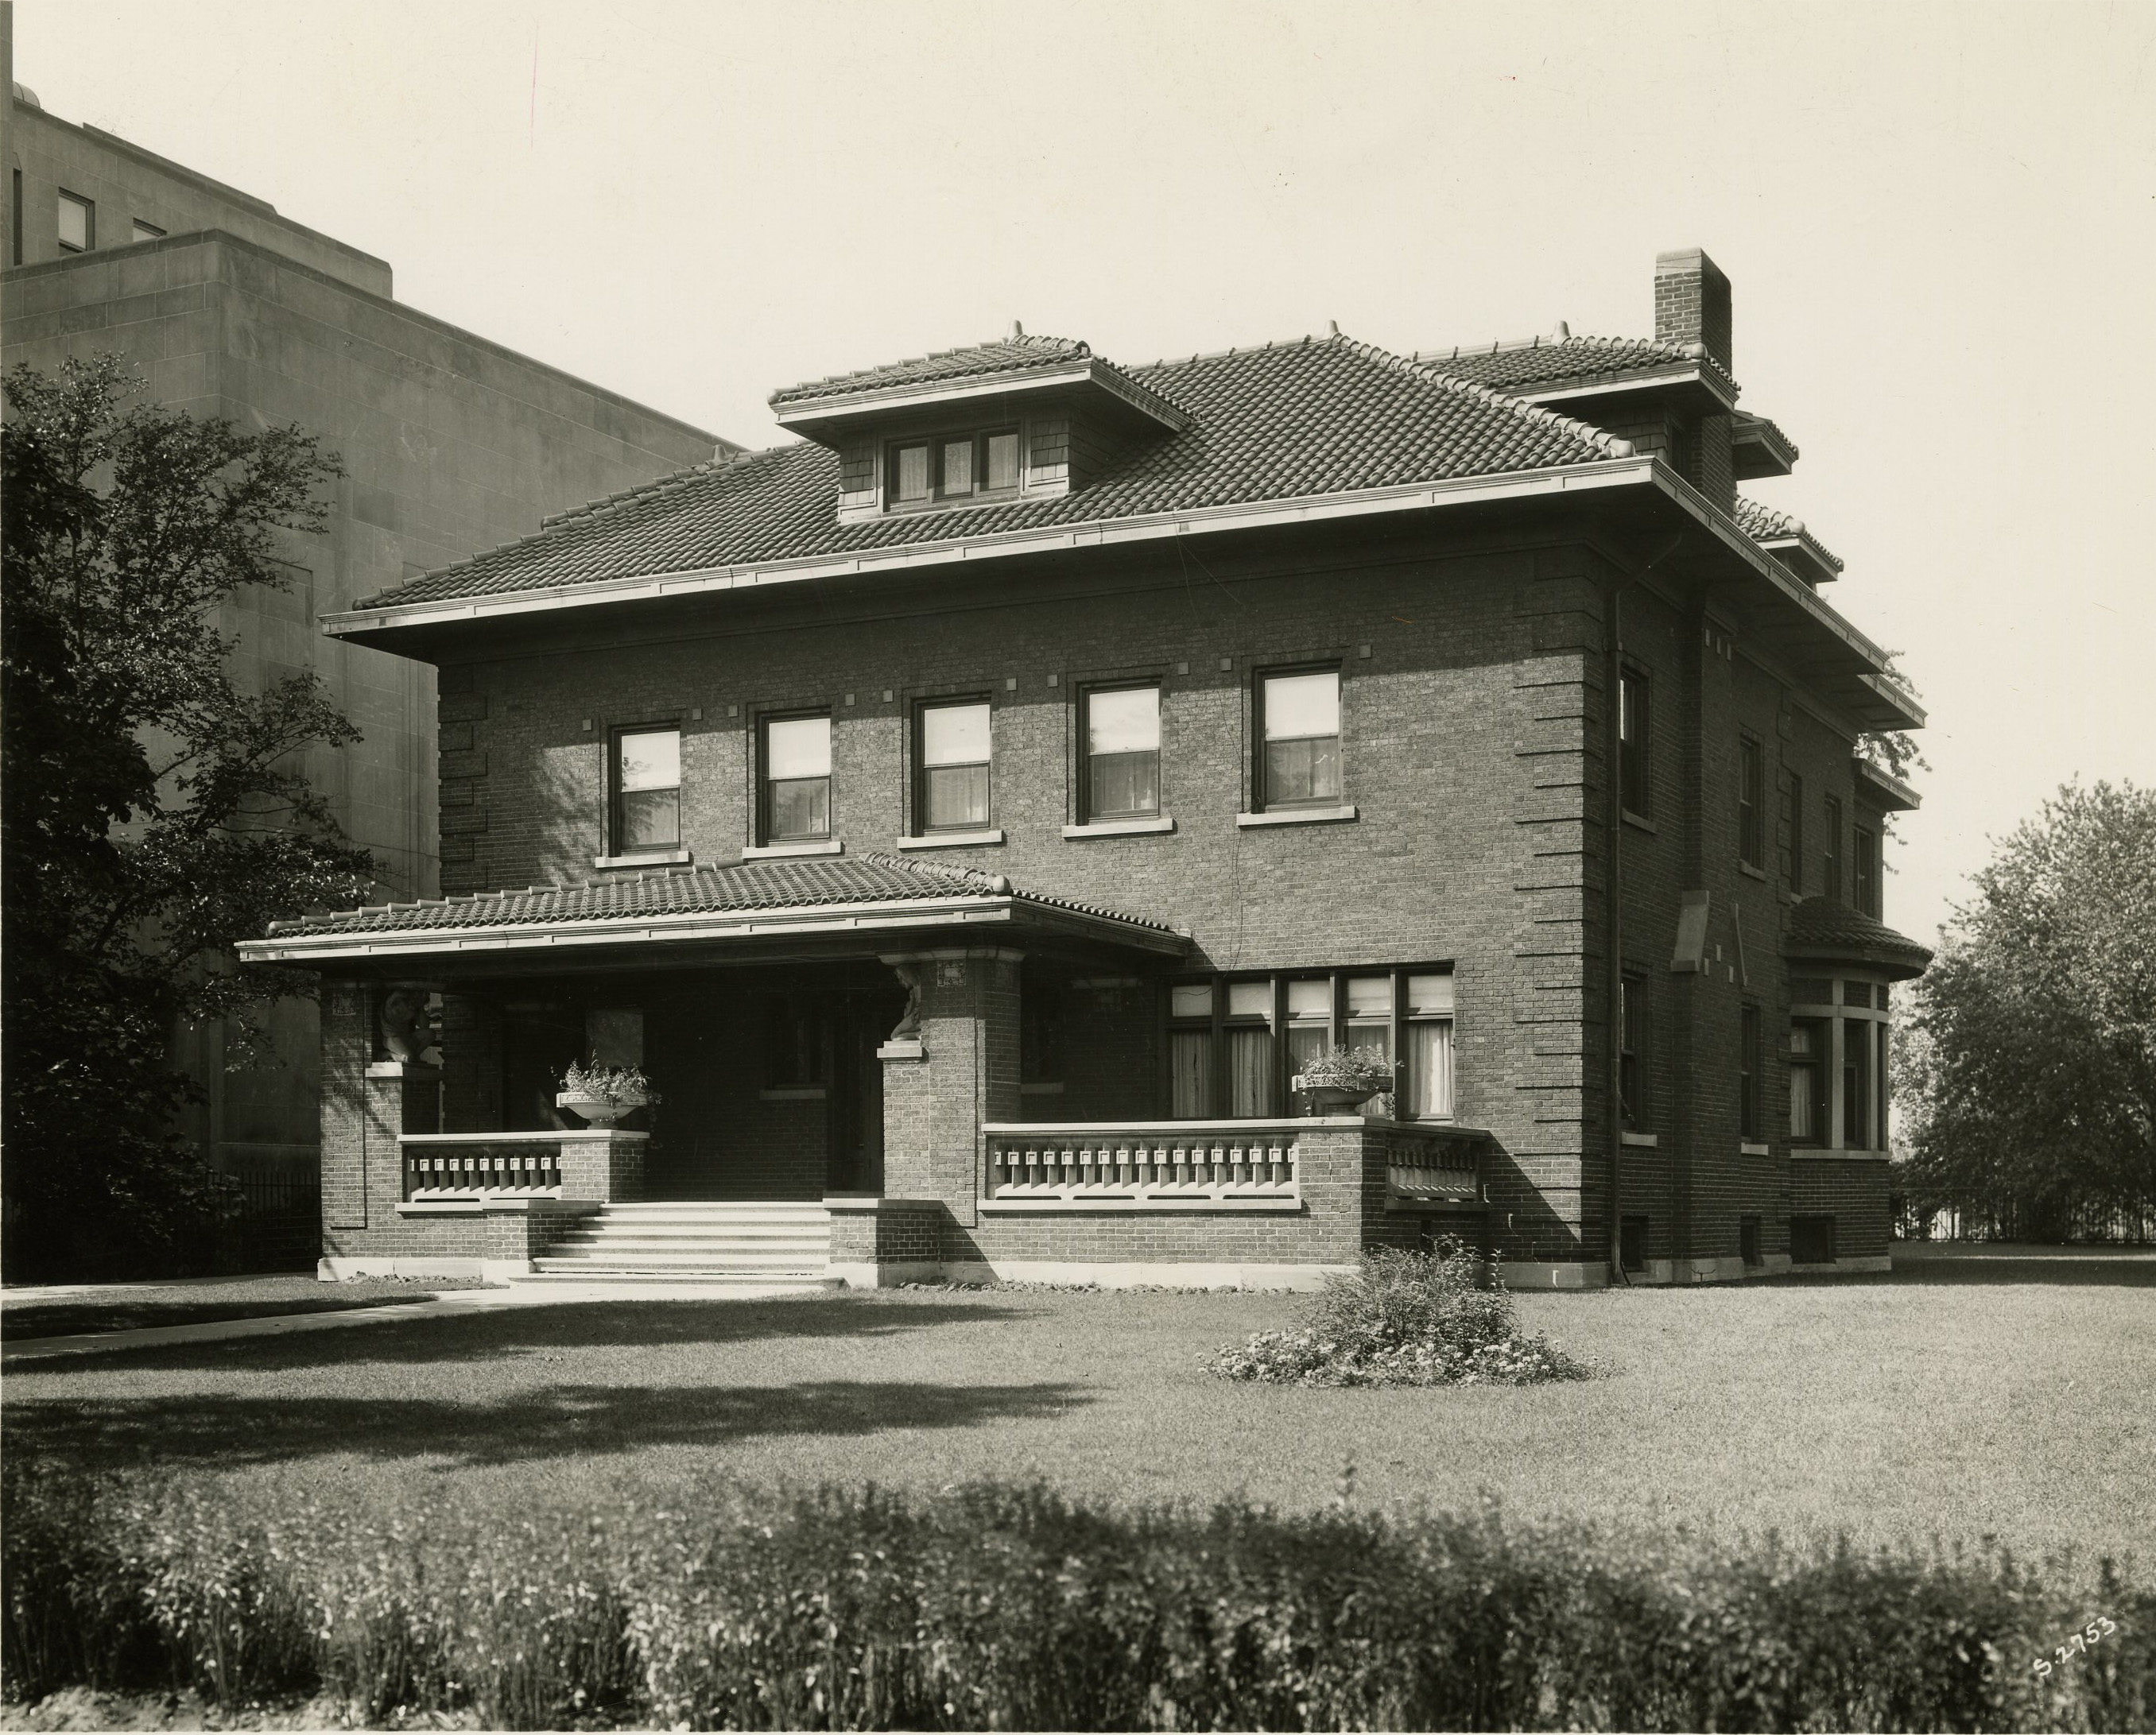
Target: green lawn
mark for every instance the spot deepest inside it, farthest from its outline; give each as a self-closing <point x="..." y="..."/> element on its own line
<point x="32" y="1312"/>
<point x="2006" y="1397"/>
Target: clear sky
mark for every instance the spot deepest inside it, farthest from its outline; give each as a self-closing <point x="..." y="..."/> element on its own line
<point x="1940" y="221"/>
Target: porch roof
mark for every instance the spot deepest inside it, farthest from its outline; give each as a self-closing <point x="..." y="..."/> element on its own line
<point x="878" y="898"/>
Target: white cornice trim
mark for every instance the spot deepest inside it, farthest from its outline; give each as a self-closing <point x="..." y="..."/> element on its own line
<point x="1098" y="533"/>
<point x="552" y="937"/>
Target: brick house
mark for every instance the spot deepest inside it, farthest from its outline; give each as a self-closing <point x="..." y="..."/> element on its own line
<point x="975" y="816"/>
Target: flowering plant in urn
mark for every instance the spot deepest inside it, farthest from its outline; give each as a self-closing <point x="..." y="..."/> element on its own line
<point x="603" y="1095"/>
<point x="1345" y="1080"/>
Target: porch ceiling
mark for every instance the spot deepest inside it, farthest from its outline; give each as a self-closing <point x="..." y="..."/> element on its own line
<point x="818" y="906"/>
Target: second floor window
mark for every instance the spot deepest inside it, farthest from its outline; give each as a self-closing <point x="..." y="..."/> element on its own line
<point x="1632" y="723"/>
<point x="953" y="466"/>
<point x="647" y="790"/>
<point x="954" y="767"/>
<point x="797" y="779"/>
<point x="1751" y="794"/>
<point x="1298" y="720"/>
<point x="77" y="232"/>
<point x="1796" y="805"/>
<point x="1863" y="871"/>
<point x="1122" y="753"/>
<point x="1830" y="857"/>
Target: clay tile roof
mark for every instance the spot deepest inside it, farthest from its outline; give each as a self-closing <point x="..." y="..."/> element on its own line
<point x="1307" y="417"/>
<point x="978" y="360"/>
<point x="787" y="882"/>
<point x="1763" y="523"/>
<point x="1543" y="363"/>
<point x="1821" y="927"/>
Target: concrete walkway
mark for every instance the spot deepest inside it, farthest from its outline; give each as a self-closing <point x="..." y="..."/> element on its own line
<point x="437" y="1305"/>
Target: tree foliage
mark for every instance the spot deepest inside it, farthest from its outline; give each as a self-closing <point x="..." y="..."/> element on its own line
<point x="154" y="812"/>
<point x="2027" y="1072"/>
<point x="1893" y="750"/>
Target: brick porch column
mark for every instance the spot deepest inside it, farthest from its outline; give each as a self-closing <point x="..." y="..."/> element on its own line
<point x="958" y="1069"/>
<point x="364" y="1112"/>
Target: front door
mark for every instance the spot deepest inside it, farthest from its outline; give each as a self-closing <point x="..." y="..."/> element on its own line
<point x="861" y="1020"/>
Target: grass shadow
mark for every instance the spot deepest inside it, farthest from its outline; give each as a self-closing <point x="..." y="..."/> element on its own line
<point x="219" y="1430"/>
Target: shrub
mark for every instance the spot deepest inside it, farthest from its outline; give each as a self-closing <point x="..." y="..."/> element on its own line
<point x="1012" y="1607"/>
<point x="1404" y="1318"/>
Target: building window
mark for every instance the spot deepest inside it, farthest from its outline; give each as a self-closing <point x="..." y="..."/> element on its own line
<point x="1885" y="1093"/>
<point x="1748" y="1243"/>
<point x="1427" y="1030"/>
<point x="1633" y="722"/>
<point x="1864" y="870"/>
<point x="1808" y="1059"/>
<point x="1122" y="753"/>
<point x="797" y="779"/>
<point x="1299" y="724"/>
<point x="1751" y="793"/>
<point x="954" y="744"/>
<point x="647" y="790"/>
<point x="15" y="220"/>
<point x="1247" y="1031"/>
<point x="1811" y="1241"/>
<point x="1796" y="819"/>
<point x="1631" y="1047"/>
<point x="1747" y="1073"/>
<point x="148" y="231"/>
<point x="1632" y="1243"/>
<point x="1309" y="1022"/>
<point x="796" y="1040"/>
<point x="953" y="466"/>
<point x="77" y="223"/>
<point x="1856" y="1083"/>
<point x="1830" y="858"/>
<point x="1041" y="1031"/>
<point x="1190" y="1051"/>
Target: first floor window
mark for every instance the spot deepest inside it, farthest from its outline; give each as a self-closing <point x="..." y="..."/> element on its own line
<point x="1885" y="1092"/>
<point x="1300" y="726"/>
<point x="647" y="791"/>
<point x="1309" y="1023"/>
<point x="1040" y="1030"/>
<point x="1856" y="1083"/>
<point x="1429" y="1027"/>
<point x="77" y="223"/>
<point x="1632" y="723"/>
<point x="1122" y="753"/>
<point x="1190" y="1051"/>
<point x="954" y="767"/>
<point x="797" y="779"/>
<point x="1808" y="1082"/>
<point x="1248" y="1034"/>
<point x="1631" y="1047"/>
<point x="1370" y="1014"/>
<point x="1747" y="1073"/>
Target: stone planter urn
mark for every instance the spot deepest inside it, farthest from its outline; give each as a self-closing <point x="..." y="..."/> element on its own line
<point x="599" y="1111"/>
<point x="1336" y="1098"/>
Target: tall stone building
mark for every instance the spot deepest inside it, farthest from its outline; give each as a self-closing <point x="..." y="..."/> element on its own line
<point x="451" y="444"/>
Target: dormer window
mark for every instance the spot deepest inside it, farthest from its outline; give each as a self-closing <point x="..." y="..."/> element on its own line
<point x="953" y="466"/>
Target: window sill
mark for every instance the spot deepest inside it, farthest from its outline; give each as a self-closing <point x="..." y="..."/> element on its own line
<point x="1639" y="821"/>
<point x="765" y="852"/>
<point x="1122" y="827"/>
<point x="644" y="858"/>
<point x="805" y="1093"/>
<point x="1745" y="867"/>
<point x="1747" y="1149"/>
<point x="951" y="839"/>
<point x="1644" y="1141"/>
<point x="1296" y="817"/>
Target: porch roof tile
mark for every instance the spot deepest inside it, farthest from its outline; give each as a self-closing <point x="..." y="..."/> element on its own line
<point x="805" y="883"/>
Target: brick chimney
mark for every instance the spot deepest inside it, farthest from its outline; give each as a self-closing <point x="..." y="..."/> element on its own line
<point x="1692" y="302"/>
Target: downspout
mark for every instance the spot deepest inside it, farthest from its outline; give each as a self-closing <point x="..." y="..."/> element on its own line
<point x="1614" y="819"/>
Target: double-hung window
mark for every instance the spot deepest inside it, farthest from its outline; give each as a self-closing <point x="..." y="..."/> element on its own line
<point x="1751" y="797"/>
<point x="953" y="794"/>
<point x="1808" y="1062"/>
<point x="1747" y="1073"/>
<point x="1856" y="1115"/>
<point x="1631" y="1051"/>
<point x="953" y="466"/>
<point x="1830" y="858"/>
<point x="647" y="790"/>
<point x="1428" y="1028"/>
<point x="1190" y="1051"/>
<point x="1309" y="1022"/>
<point x="77" y="223"/>
<point x="1247" y="1033"/>
<point x="797" y="779"/>
<point x="1299" y="724"/>
<point x="1864" y="870"/>
<point x="1122" y="753"/>
<point x="1633" y="720"/>
<point x="1796" y="821"/>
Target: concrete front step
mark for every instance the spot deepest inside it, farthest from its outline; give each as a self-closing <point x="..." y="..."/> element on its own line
<point x="797" y="1258"/>
<point x="719" y="1242"/>
<point x="713" y="1282"/>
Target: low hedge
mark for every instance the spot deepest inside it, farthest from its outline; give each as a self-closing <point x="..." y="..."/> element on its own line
<point x="1011" y="1607"/>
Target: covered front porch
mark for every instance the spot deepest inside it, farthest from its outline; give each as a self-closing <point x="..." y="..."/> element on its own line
<point x="869" y="1072"/>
